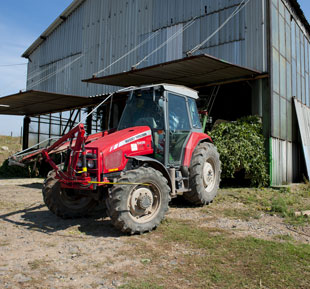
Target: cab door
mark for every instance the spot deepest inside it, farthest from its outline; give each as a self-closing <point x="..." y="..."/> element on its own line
<point x="179" y="128"/>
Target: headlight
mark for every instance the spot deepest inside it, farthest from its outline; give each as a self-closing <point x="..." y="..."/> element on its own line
<point x="113" y="160"/>
<point x="79" y="163"/>
<point x="91" y="164"/>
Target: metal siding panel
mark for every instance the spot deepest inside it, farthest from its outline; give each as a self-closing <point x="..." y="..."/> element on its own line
<point x="187" y="10"/>
<point x="163" y="13"/>
<point x="256" y="35"/>
<point x="63" y="42"/>
<point x="155" y="14"/>
<point x="284" y="162"/>
<point x="289" y="164"/>
<point x="179" y="12"/>
<point x="174" y="47"/>
<point x="303" y="116"/>
<point x="275" y="170"/>
<point x="296" y="170"/>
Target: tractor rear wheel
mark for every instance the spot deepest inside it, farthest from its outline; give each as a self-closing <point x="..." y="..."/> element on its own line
<point x="65" y="203"/>
<point x="205" y="175"/>
<point x="141" y="207"/>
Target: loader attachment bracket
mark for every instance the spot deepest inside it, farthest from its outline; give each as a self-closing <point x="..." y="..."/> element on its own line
<point x="74" y="151"/>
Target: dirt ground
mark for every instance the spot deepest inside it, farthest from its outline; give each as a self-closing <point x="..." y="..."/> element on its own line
<point x="39" y="250"/>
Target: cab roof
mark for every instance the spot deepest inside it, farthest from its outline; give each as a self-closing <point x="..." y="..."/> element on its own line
<point x="179" y="89"/>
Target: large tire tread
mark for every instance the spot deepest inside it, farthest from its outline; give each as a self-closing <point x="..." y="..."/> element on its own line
<point x="52" y="199"/>
<point x="197" y="194"/>
<point x="116" y="202"/>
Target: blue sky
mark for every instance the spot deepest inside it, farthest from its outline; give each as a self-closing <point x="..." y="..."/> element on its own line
<point x="21" y="22"/>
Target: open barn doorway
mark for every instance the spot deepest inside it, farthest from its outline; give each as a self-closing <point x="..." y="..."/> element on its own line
<point x="227" y="102"/>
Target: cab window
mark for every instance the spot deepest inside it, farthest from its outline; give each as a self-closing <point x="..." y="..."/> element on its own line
<point x="178" y="116"/>
<point x="194" y="113"/>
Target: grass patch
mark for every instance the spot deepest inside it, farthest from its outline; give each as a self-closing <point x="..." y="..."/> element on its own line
<point x="285" y="237"/>
<point x="199" y="257"/>
<point x="227" y="262"/>
<point x="38" y="264"/>
<point x="283" y="202"/>
<point x="108" y="261"/>
<point x="75" y="231"/>
<point x="195" y="257"/>
<point x="242" y="214"/>
<point x="13" y="144"/>
<point x="4" y="243"/>
<point x="9" y="146"/>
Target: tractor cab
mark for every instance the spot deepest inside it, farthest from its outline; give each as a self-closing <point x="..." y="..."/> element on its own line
<point x="171" y="113"/>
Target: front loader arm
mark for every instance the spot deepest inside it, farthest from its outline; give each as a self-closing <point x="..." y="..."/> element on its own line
<point x="80" y="139"/>
<point x="32" y="155"/>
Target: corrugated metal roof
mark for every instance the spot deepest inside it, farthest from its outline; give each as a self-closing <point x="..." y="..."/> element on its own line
<point x="194" y="71"/>
<point x="38" y="102"/>
<point x="303" y="116"/>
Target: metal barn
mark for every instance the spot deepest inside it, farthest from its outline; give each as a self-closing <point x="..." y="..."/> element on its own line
<point x="253" y="55"/>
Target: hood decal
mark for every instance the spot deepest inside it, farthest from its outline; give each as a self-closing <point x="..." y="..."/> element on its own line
<point x="131" y="139"/>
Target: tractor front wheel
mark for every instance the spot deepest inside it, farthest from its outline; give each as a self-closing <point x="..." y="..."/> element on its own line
<point x="140" y="207"/>
<point x="205" y="175"/>
<point x="66" y="203"/>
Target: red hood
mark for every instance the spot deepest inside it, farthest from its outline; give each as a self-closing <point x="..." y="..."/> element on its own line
<point x="120" y="138"/>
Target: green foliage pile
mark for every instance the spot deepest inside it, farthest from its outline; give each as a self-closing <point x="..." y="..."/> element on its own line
<point x="241" y="146"/>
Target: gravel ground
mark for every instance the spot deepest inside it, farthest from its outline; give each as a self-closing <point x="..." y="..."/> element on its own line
<point x="266" y="227"/>
<point x="40" y="250"/>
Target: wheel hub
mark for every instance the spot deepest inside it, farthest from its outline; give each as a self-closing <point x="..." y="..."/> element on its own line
<point x="144" y="202"/>
<point x="141" y="200"/>
<point x="208" y="176"/>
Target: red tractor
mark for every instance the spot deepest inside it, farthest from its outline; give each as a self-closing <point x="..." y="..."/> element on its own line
<point x="157" y="152"/>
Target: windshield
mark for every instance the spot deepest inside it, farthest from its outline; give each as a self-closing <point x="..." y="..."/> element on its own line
<point x="144" y="108"/>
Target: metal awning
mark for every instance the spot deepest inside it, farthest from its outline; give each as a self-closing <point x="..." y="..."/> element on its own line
<point x="303" y="116"/>
<point x="194" y="71"/>
<point x="33" y="102"/>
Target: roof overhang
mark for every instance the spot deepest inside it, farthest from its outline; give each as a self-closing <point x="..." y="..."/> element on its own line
<point x="33" y="103"/>
<point x="193" y="71"/>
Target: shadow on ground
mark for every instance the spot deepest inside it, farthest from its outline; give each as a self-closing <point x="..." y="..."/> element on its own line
<point x="39" y="218"/>
<point x="180" y="202"/>
<point x="32" y="186"/>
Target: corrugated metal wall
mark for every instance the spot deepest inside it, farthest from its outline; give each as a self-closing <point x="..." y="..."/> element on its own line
<point x="303" y="116"/>
<point x="285" y="158"/>
<point x="100" y="32"/>
<point x="290" y="78"/>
